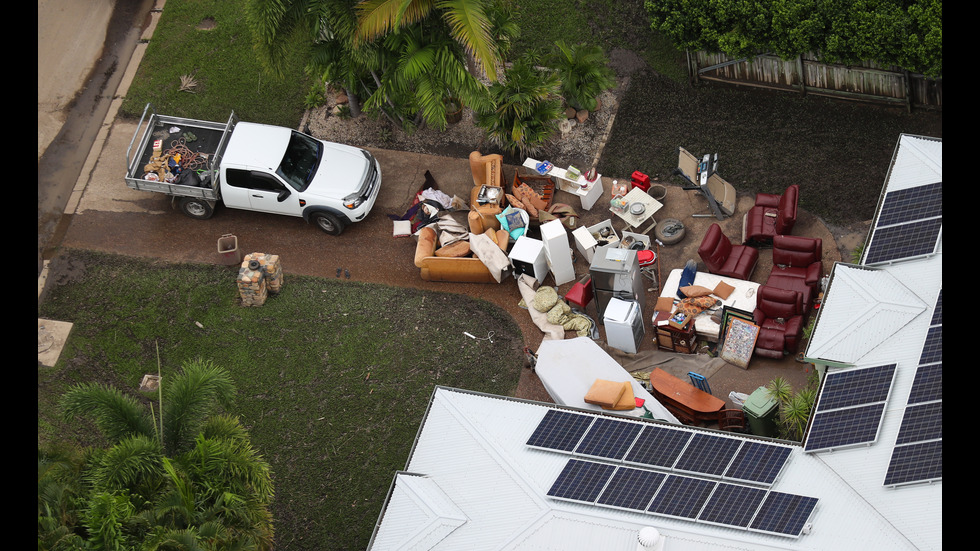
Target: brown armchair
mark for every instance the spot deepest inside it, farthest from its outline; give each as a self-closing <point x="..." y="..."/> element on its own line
<point x="725" y="259"/>
<point x="779" y="314"/>
<point x="772" y="215"/>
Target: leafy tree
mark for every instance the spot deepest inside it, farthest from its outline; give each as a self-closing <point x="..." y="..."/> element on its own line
<point x="583" y="72"/>
<point x="897" y="32"/>
<point x="794" y="408"/>
<point x="526" y="108"/>
<point x="181" y="476"/>
<point x="401" y="58"/>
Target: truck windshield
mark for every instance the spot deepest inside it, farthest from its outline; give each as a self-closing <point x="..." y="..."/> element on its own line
<point x="301" y="160"/>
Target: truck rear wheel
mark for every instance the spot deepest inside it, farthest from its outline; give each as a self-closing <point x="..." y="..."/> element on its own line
<point x="196" y="208"/>
<point x="327" y="222"/>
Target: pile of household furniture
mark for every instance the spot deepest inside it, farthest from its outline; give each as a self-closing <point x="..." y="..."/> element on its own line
<point x="792" y="288"/>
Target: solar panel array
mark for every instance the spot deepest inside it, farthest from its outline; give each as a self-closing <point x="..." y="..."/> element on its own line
<point x="918" y="453"/>
<point x="850" y="408"/>
<point x="909" y="224"/>
<point x="661" y="447"/>
<point x="684" y="497"/>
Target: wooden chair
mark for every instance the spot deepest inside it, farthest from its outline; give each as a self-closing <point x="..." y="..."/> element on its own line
<point x="731" y="420"/>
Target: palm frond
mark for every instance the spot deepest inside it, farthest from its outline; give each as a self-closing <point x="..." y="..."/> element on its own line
<point x="190" y="398"/>
<point x="470" y="27"/>
<point x="379" y="17"/>
<point x="133" y="463"/>
<point x="117" y="415"/>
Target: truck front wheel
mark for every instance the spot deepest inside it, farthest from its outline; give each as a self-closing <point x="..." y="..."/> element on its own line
<point x="196" y="208"/>
<point x="327" y="222"/>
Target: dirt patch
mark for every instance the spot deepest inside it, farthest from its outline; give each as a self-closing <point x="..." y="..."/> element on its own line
<point x="206" y="24"/>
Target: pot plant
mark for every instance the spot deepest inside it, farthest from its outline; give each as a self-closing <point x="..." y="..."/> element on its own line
<point x="454" y="110"/>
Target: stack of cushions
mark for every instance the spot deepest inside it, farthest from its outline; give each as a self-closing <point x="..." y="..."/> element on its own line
<point x="700" y="298"/>
<point x="611" y="395"/>
<point x="513" y="221"/>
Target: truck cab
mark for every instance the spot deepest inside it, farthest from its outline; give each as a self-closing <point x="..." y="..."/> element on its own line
<point x="282" y="171"/>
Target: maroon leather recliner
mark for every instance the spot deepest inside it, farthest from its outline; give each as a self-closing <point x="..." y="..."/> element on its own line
<point x="797" y="266"/>
<point x="779" y="314"/>
<point x="772" y="215"/>
<point x="725" y="259"/>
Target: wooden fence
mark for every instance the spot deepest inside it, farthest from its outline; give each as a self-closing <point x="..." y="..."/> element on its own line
<point x="808" y="75"/>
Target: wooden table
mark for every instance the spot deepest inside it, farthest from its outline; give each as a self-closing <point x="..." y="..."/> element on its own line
<point x="689" y="404"/>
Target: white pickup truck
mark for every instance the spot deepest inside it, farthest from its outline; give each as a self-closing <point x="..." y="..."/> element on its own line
<point x="252" y="167"/>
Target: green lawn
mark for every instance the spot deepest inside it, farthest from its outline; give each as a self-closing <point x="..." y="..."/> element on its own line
<point x="210" y="41"/>
<point x="333" y="376"/>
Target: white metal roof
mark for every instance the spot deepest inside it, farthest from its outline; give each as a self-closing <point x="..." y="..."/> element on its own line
<point x="472" y="451"/>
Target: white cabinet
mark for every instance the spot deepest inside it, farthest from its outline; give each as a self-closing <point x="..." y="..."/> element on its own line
<point x="528" y="257"/>
<point x="557" y="251"/>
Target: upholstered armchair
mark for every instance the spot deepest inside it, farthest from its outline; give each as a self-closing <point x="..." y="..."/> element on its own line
<point x="725" y="259"/>
<point x="772" y="215"/>
<point x="797" y="266"/>
<point x="779" y="314"/>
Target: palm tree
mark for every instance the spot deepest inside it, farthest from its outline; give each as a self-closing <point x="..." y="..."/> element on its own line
<point x="178" y="479"/>
<point x="584" y="73"/>
<point x="467" y="20"/>
<point x="526" y="108"/>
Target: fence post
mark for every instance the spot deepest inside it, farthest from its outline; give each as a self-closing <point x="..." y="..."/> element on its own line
<point x="799" y="68"/>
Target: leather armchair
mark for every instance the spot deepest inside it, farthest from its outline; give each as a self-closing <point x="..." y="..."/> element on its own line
<point x="772" y="215"/>
<point x="725" y="259"/>
<point x="797" y="266"/>
<point x="779" y="314"/>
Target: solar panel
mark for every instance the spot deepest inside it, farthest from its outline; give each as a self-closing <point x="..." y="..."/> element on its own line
<point x="908" y="224"/>
<point x="904" y="241"/>
<point x="918" y="453"/>
<point x="758" y="462"/>
<point x="856" y="387"/>
<point x="920" y="462"/>
<point x="681" y="496"/>
<point x="844" y="427"/>
<point x="850" y="407"/>
<point x="631" y="488"/>
<point x="909" y="205"/>
<point x="581" y="480"/>
<point x="928" y="384"/>
<point x="686" y="497"/>
<point x="732" y="505"/>
<point x="658" y="446"/>
<point x="708" y="454"/>
<point x="559" y="430"/>
<point x="609" y="438"/>
<point x="784" y="514"/>
<point x="921" y="422"/>
<point x="932" y="350"/>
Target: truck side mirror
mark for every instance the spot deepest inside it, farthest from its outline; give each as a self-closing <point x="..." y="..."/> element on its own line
<point x="283" y="194"/>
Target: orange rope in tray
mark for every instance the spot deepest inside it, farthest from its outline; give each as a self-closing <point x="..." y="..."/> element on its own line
<point x="189" y="160"/>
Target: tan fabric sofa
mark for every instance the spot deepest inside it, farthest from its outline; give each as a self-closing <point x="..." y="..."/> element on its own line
<point x="466" y="269"/>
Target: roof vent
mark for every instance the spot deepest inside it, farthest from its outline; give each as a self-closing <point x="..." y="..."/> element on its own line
<point x="649" y="539"/>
